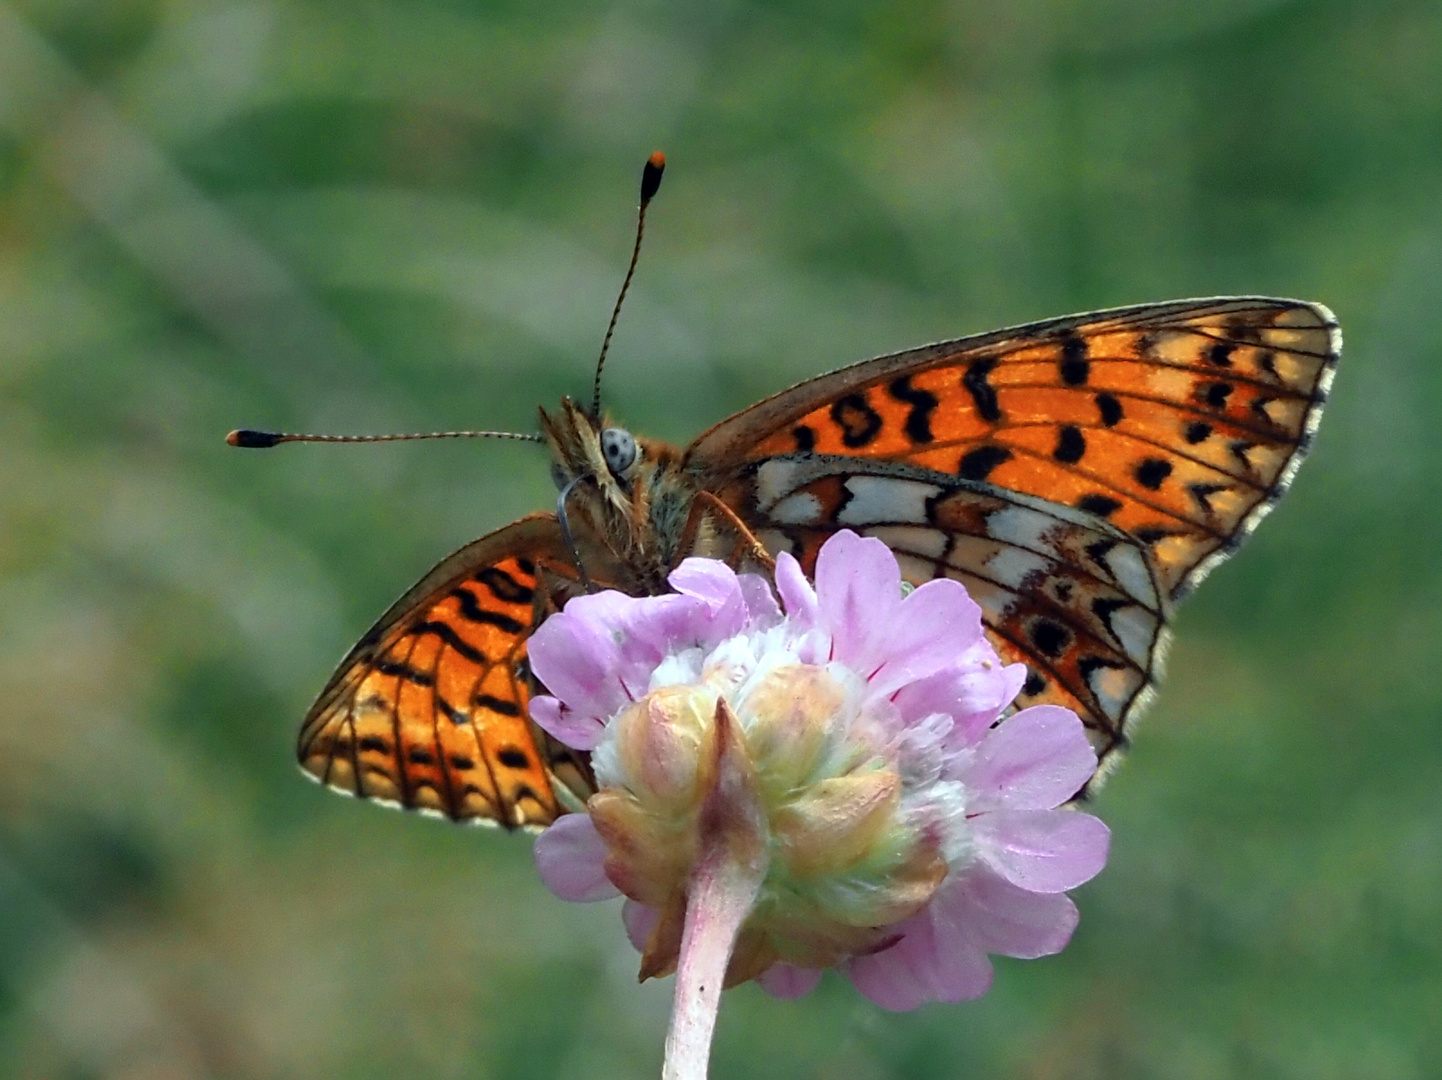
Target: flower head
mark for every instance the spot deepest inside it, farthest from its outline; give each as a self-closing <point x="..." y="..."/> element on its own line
<point x="833" y="778"/>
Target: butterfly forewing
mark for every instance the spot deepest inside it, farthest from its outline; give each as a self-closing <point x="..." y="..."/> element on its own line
<point x="1063" y="591"/>
<point x="429" y="710"/>
<point x="1180" y="423"/>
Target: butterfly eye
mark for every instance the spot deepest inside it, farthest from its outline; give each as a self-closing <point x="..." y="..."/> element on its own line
<point x="619" y="449"/>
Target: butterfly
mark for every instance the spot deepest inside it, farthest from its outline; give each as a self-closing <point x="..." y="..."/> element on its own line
<point x="1078" y="475"/>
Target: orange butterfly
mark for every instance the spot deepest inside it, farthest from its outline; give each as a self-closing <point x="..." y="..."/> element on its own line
<point x="1078" y="475"/>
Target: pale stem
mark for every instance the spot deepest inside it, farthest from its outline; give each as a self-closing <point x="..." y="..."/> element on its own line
<point x="722" y="891"/>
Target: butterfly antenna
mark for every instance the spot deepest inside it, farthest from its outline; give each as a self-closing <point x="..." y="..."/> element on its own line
<point x="250" y="439"/>
<point x="650" y="184"/>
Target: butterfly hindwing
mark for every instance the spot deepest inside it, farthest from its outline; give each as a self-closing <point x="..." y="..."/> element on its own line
<point x="1061" y="590"/>
<point x="1180" y="423"/>
<point x="429" y="710"/>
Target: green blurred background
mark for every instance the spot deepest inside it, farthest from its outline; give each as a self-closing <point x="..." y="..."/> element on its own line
<point x="381" y="216"/>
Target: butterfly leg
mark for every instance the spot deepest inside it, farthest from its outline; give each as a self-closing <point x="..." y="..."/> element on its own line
<point x="714" y="531"/>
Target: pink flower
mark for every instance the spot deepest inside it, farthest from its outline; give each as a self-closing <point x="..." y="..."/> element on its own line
<point x="828" y="788"/>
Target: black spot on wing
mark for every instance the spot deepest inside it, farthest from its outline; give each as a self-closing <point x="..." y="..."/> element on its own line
<point x="1215" y="394"/>
<point x="1071" y="445"/>
<point x="1098" y="504"/>
<point x="1110" y="409"/>
<point x="1219" y="353"/>
<point x="1074" y="367"/>
<point x="977" y="464"/>
<point x="923" y="403"/>
<point x="1049" y="637"/>
<point x="1150" y="534"/>
<point x="859" y="422"/>
<point x="1197" y="431"/>
<point x="1150" y="472"/>
<point x="513" y="758"/>
<point x="805" y="438"/>
<point x="983" y="394"/>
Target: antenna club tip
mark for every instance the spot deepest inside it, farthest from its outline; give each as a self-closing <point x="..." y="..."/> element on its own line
<point x="651" y="176"/>
<point x="252" y="440"/>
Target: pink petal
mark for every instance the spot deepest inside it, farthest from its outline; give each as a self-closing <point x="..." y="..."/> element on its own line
<point x="576" y="657"/>
<point x="987" y="709"/>
<point x="858" y="587"/>
<point x="972" y="695"/>
<point x="796" y="593"/>
<point x="715" y="584"/>
<point x="1003" y="919"/>
<point x="1034" y="760"/>
<point x="571" y="859"/>
<point x="657" y="625"/>
<point x="929" y="963"/>
<point x="577" y="731"/>
<point x="598" y="654"/>
<point x="787" y="981"/>
<point x="762" y="611"/>
<point x="1045" y="851"/>
<point x="929" y="631"/>
<point x="887" y="979"/>
<point x="639" y="921"/>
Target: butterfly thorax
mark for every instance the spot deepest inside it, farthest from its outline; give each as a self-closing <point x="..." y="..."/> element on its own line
<point x="627" y="501"/>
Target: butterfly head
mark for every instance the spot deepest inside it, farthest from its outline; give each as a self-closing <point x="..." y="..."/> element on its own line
<point x="622" y="487"/>
<point x="584" y="449"/>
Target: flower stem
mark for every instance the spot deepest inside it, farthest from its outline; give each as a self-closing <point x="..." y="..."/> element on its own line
<point x="722" y="891"/>
<point x="724" y="883"/>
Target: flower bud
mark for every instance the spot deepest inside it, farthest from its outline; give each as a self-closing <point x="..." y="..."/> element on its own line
<point x="790" y="713"/>
<point x="831" y="826"/>
<point x="660" y="744"/>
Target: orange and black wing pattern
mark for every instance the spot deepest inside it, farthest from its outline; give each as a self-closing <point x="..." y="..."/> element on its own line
<point x="1180" y="423"/>
<point x="1078" y="475"/>
<point x="429" y="711"/>
<point x="1061" y="590"/>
